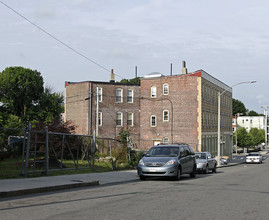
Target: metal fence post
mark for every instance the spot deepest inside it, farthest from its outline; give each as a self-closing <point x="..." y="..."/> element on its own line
<point x="23" y="151"/>
<point x="47" y="152"/>
<point x="27" y="150"/>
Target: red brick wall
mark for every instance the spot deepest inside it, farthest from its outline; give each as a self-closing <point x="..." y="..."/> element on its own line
<point x="76" y="107"/>
<point x="183" y="95"/>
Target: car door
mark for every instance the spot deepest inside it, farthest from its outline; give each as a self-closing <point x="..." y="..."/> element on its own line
<point x="183" y="160"/>
<point x="210" y="161"/>
<point x="189" y="159"/>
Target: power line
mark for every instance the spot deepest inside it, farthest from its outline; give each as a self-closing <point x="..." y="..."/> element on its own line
<point x="66" y="45"/>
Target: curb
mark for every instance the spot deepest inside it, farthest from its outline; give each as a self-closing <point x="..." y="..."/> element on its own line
<point x="230" y="165"/>
<point x="46" y="189"/>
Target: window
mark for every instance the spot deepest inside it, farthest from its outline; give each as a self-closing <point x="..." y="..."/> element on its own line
<point x="243" y="121"/>
<point x="100" y="93"/>
<point x="166" y="140"/>
<point x="119" y="95"/>
<point x="250" y="120"/>
<point x="165" y="89"/>
<point x="165" y="115"/>
<point x="153" y="121"/>
<point x="100" y="121"/>
<point x="153" y="92"/>
<point x="130" y="117"/>
<point x="130" y="96"/>
<point x="119" y="119"/>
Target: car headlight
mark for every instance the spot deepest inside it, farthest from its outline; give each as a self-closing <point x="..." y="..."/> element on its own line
<point x="203" y="163"/>
<point x="141" y="162"/>
<point x="170" y="162"/>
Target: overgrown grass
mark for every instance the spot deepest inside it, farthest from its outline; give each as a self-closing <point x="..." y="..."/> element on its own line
<point x="11" y="168"/>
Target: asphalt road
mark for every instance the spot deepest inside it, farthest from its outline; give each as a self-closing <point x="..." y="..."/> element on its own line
<point x="238" y="192"/>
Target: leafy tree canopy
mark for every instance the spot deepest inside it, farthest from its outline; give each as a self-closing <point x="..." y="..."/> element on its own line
<point x="238" y="107"/>
<point x="22" y="94"/>
<point x="134" y="81"/>
<point x="252" y="113"/>
<point x="20" y="88"/>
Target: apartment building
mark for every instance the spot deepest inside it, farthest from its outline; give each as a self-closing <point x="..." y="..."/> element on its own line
<point x="169" y="109"/>
<point x="184" y="108"/>
<point x="248" y="122"/>
<point x="118" y="108"/>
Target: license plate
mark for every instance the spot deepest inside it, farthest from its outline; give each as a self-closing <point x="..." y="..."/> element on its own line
<point x="152" y="170"/>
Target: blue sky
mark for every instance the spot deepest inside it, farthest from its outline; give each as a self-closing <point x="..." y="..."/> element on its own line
<point x="227" y="39"/>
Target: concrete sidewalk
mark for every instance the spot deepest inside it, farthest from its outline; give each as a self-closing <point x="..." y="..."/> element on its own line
<point x="17" y="187"/>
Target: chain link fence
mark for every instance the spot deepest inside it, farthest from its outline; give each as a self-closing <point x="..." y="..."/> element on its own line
<point x="28" y="151"/>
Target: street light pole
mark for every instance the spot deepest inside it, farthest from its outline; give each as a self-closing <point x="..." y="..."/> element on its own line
<point x="219" y="94"/>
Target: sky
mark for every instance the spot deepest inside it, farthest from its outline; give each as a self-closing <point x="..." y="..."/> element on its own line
<point x="85" y="39"/>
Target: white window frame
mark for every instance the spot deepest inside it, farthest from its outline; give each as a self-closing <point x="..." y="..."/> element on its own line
<point x="132" y="95"/>
<point x="132" y="119"/>
<point x="121" y="99"/>
<point x="166" y="120"/>
<point x="155" y="121"/>
<point x="119" y="113"/>
<point x="165" y="90"/>
<point x="153" y="92"/>
<point x="100" y="119"/>
<point x="100" y="93"/>
<point x="165" y="140"/>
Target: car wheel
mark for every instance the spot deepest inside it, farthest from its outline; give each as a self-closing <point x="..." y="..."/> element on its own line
<point x="193" y="173"/>
<point x="142" y="177"/>
<point x="206" y="169"/>
<point x="214" y="169"/>
<point x="177" y="177"/>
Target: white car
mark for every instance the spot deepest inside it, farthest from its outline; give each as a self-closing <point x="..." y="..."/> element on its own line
<point x="254" y="157"/>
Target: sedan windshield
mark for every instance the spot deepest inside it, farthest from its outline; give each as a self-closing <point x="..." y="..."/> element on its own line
<point x="163" y="152"/>
<point x="200" y="155"/>
<point x="253" y="155"/>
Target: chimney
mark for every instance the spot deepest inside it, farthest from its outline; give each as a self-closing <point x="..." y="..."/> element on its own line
<point x="184" y="69"/>
<point x="112" y="76"/>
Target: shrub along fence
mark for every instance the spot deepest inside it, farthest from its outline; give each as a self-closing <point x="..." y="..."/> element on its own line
<point x="39" y="151"/>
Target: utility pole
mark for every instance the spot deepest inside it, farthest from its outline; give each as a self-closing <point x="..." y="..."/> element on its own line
<point x="265" y="124"/>
<point x="97" y="112"/>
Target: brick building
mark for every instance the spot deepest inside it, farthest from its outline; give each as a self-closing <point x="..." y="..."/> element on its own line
<point x="119" y="106"/>
<point x="172" y="109"/>
<point x="183" y="108"/>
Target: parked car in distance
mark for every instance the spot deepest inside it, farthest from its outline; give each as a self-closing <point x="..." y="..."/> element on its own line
<point x="205" y="162"/>
<point x="167" y="160"/>
<point x="254" y="157"/>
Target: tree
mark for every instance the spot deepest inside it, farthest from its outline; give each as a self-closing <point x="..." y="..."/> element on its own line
<point x="243" y="138"/>
<point x="252" y="113"/>
<point x="238" y="107"/>
<point x="50" y="106"/>
<point x="257" y="136"/>
<point x="20" y="89"/>
<point x="22" y="94"/>
<point x="134" y="81"/>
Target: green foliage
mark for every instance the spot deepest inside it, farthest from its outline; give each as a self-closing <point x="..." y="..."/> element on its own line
<point x="257" y="136"/>
<point x="50" y="106"/>
<point x="22" y="94"/>
<point x="134" y="81"/>
<point x="20" y="89"/>
<point x="243" y="137"/>
<point x="238" y="107"/>
<point x="252" y="113"/>
<point x="253" y="138"/>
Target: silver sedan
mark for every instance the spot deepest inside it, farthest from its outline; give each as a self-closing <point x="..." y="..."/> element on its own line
<point x="205" y="162"/>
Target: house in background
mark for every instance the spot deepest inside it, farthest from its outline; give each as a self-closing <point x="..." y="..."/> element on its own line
<point x="248" y="122"/>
